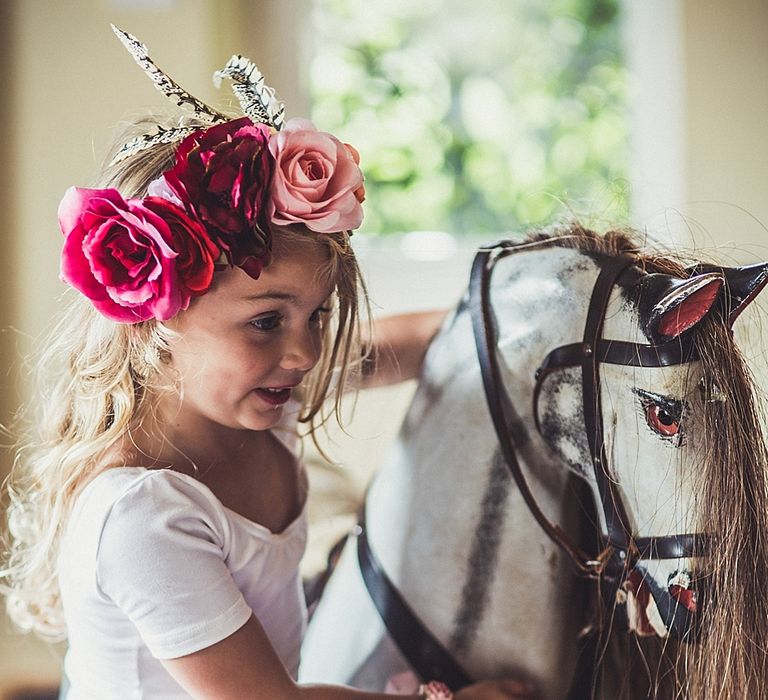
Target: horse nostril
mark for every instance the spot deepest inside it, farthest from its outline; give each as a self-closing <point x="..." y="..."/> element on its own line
<point x="680" y="589"/>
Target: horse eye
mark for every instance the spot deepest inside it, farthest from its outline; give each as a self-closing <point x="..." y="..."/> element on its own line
<point x="661" y="420"/>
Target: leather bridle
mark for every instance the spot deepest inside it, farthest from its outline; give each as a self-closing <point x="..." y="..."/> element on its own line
<point x="620" y="549"/>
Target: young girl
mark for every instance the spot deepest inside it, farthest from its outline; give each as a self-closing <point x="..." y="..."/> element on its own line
<point x="158" y="516"/>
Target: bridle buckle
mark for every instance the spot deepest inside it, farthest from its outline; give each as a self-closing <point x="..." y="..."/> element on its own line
<point x="594" y="568"/>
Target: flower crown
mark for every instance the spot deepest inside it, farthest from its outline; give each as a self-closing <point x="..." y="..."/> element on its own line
<point x="144" y="258"/>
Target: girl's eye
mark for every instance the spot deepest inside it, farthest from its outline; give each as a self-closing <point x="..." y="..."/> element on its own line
<point x="266" y="323"/>
<point x="661" y="420"/>
<point x="318" y="316"/>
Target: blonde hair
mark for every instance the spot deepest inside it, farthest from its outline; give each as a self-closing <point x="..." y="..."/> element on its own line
<point x="94" y="379"/>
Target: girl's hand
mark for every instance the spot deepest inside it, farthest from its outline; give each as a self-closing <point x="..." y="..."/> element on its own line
<point x="506" y="689"/>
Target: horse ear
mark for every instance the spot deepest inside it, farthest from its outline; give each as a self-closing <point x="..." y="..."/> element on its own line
<point x="674" y="305"/>
<point x="742" y="285"/>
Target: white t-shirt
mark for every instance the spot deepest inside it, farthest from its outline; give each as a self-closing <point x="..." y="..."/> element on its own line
<point x="154" y="566"/>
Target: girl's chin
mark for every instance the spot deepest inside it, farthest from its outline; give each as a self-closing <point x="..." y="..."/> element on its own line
<point x="264" y="417"/>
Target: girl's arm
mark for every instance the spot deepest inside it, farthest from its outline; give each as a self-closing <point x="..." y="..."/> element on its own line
<point x="397" y="349"/>
<point x="244" y="666"/>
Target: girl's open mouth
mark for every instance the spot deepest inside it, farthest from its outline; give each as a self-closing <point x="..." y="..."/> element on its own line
<point x="276" y="396"/>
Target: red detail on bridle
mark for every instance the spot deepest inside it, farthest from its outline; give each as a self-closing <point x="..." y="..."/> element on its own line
<point x="685" y="596"/>
<point x="689" y="311"/>
<point x="635" y="585"/>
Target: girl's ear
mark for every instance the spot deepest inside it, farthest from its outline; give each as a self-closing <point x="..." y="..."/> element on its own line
<point x="669" y="306"/>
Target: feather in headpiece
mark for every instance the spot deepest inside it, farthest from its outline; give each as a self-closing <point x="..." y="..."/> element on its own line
<point x="141" y="143"/>
<point x="169" y="87"/>
<point x="256" y="98"/>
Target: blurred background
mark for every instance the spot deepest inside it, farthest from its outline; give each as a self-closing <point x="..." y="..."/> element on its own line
<point x="474" y="121"/>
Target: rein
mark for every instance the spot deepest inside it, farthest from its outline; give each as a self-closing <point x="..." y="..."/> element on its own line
<point x="620" y="549"/>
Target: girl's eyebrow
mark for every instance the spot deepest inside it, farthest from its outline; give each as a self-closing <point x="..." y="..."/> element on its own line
<point x="282" y="296"/>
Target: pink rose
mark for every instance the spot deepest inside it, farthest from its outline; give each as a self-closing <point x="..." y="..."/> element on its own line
<point x="222" y="176"/>
<point x="316" y="180"/>
<point x="134" y="259"/>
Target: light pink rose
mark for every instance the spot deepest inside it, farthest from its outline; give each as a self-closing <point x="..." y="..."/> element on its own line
<point x="316" y="180"/>
<point x="134" y="259"/>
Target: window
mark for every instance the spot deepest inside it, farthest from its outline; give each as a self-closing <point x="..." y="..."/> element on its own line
<point x="476" y="117"/>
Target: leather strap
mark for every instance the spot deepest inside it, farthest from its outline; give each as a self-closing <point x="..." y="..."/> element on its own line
<point x="499" y="404"/>
<point x="616" y="520"/>
<point x="620" y="352"/>
<point x="428" y="657"/>
<point x="683" y="546"/>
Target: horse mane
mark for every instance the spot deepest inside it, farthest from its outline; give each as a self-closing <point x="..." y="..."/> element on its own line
<point x="612" y="244"/>
<point x="730" y="659"/>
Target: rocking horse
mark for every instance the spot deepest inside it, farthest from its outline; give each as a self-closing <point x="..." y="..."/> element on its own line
<point x="578" y="491"/>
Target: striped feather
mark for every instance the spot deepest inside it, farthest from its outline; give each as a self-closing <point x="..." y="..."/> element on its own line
<point x="141" y="143"/>
<point x="170" y="88"/>
<point x="257" y="99"/>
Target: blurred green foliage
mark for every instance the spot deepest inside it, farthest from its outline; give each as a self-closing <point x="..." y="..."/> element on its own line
<point x="479" y="117"/>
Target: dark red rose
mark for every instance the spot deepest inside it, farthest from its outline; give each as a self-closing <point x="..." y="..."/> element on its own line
<point x="222" y="175"/>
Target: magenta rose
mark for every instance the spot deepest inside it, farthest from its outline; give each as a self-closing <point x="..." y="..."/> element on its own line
<point x="316" y="180"/>
<point x="134" y="259"/>
<point x="222" y="174"/>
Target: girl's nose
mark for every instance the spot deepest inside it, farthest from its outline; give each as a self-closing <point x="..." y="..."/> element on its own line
<point x="301" y="351"/>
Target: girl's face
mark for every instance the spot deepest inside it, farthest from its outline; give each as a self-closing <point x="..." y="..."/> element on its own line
<point x="246" y="344"/>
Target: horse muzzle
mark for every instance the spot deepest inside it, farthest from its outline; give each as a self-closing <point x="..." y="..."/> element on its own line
<point x="674" y="611"/>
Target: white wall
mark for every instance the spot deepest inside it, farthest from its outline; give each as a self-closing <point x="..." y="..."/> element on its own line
<point x="699" y="95"/>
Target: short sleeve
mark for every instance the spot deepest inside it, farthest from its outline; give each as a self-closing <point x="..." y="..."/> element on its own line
<point x="162" y="560"/>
